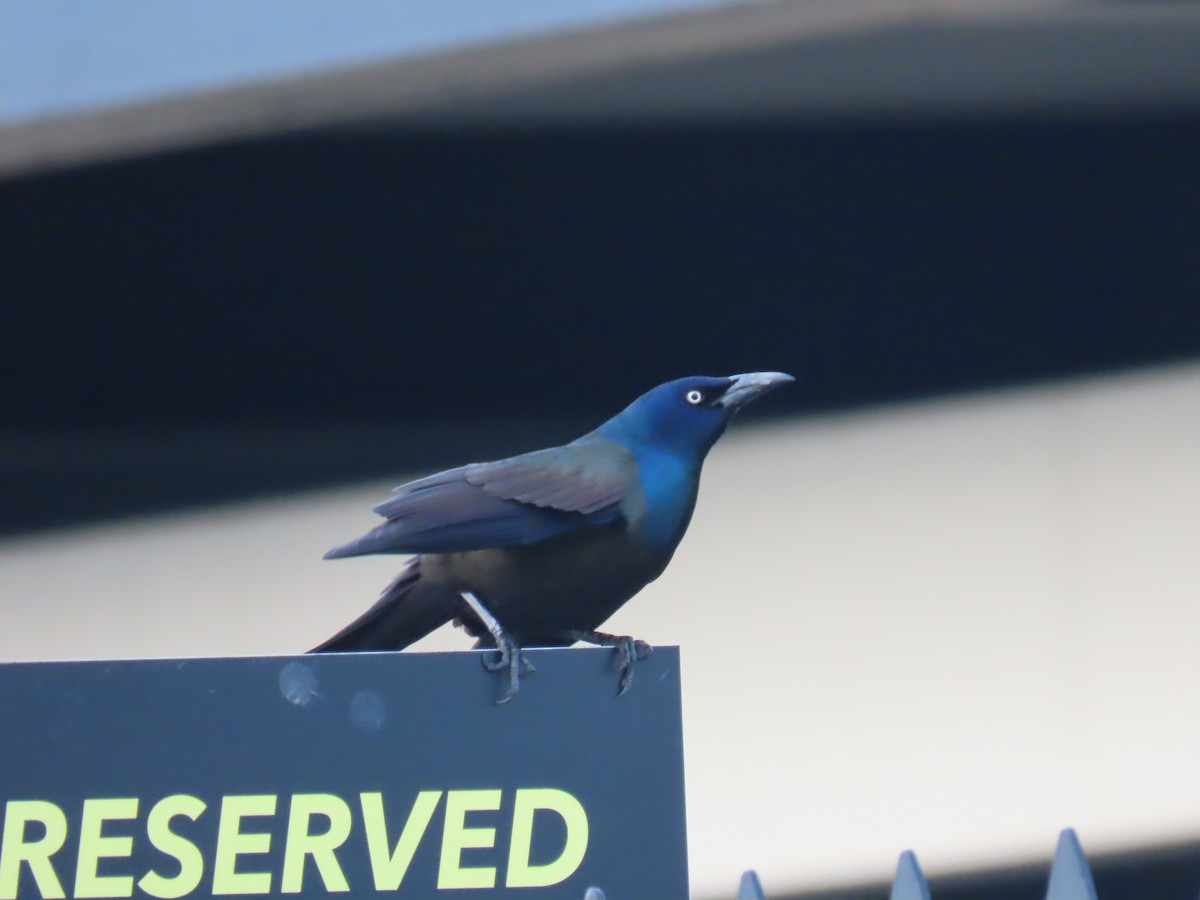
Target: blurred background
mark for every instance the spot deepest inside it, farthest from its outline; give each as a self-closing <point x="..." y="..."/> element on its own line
<point x="262" y="262"/>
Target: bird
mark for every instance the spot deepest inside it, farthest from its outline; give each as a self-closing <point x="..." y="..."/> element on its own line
<point x="540" y="549"/>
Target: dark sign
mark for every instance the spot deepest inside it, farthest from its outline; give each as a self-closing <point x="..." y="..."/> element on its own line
<point x="387" y="773"/>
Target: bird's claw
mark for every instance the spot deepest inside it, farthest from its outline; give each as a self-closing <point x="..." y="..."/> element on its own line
<point x="511" y="658"/>
<point x="503" y="654"/>
<point x="629" y="652"/>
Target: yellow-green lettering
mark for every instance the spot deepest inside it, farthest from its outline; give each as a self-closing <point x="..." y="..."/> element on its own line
<point x="301" y="842"/>
<point x="456" y="837"/>
<point x="232" y="842"/>
<point x="520" y="873"/>
<point x="389" y="869"/>
<point x="93" y="845"/>
<point x="191" y="863"/>
<point x="14" y="849"/>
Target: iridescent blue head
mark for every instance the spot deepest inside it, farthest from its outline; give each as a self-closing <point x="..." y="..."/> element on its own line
<point x="686" y="416"/>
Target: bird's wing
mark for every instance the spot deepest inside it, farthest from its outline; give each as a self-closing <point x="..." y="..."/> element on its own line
<point x="521" y="500"/>
<point x="568" y="479"/>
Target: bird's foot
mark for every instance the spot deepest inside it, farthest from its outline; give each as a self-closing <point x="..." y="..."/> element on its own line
<point x="629" y="652"/>
<point x="510" y="658"/>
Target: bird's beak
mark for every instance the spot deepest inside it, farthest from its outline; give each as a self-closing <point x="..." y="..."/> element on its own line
<point x="751" y="386"/>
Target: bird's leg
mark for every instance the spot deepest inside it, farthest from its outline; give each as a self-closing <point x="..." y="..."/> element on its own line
<point x="512" y="657"/>
<point x="629" y="651"/>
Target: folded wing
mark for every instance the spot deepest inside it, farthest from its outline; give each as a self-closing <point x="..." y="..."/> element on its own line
<point x="522" y="500"/>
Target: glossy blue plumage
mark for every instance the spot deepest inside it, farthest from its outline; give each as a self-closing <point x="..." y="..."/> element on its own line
<point x="550" y="543"/>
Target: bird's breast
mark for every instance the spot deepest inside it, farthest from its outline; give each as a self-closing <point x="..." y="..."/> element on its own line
<point x="669" y="489"/>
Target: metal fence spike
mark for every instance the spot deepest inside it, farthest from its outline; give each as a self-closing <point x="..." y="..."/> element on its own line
<point x="593" y="893"/>
<point x="750" y="889"/>
<point x="909" y="883"/>
<point x="1070" y="877"/>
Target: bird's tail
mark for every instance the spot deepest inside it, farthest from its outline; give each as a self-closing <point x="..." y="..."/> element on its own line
<point x="408" y="609"/>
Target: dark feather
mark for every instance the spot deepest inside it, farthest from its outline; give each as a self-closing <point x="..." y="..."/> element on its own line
<point x="408" y="609"/>
<point x="515" y="501"/>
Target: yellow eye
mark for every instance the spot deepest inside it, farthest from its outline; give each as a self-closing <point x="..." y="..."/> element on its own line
<point x="694" y="396"/>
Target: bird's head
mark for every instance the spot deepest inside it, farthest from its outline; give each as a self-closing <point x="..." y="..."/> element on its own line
<point x="686" y="416"/>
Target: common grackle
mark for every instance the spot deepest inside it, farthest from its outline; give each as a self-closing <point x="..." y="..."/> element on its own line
<point x="540" y="549"/>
